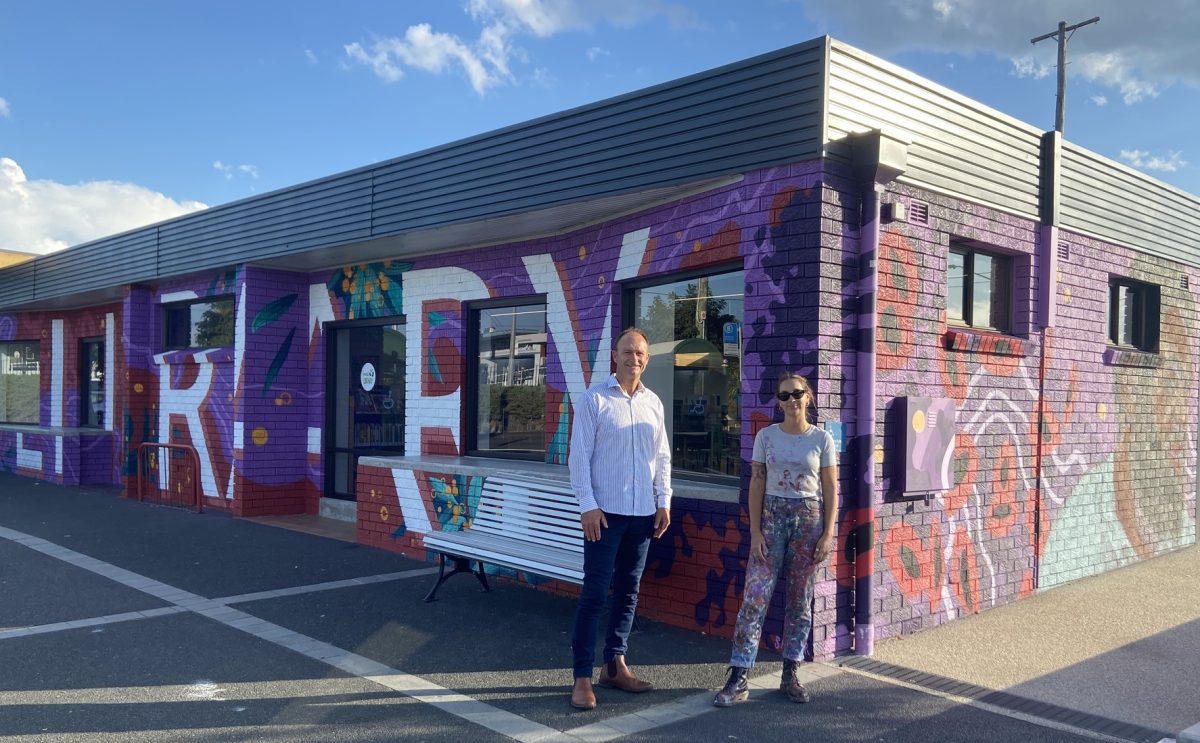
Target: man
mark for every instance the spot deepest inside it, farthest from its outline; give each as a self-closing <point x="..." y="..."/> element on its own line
<point x="620" y="465"/>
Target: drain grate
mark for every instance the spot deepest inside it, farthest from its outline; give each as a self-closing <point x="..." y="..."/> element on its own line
<point x="1024" y="705"/>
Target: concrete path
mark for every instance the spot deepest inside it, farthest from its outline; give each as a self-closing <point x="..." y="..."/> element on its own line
<point x="1123" y="645"/>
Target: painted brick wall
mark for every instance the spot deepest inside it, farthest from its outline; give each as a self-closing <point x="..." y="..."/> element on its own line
<point x="1121" y="437"/>
<point x="269" y="406"/>
<point x="58" y="454"/>
<point x="997" y="535"/>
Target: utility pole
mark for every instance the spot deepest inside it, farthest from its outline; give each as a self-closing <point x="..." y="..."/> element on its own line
<point x="1061" y="33"/>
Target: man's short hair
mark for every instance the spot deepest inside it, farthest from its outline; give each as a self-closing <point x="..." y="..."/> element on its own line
<point x="628" y="331"/>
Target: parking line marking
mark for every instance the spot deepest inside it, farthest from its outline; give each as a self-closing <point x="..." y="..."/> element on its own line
<point x="126" y="616"/>
<point x="467" y="708"/>
<point x="327" y="586"/>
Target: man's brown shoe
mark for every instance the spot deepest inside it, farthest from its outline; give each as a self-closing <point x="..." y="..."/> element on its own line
<point x="617" y="675"/>
<point x="582" y="696"/>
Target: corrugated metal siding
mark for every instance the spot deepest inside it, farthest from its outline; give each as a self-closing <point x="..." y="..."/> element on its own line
<point x="737" y="118"/>
<point x="330" y="211"/>
<point x="17" y="283"/>
<point x="750" y="114"/>
<point x="1107" y="200"/>
<point x="113" y="261"/>
<point x="959" y="147"/>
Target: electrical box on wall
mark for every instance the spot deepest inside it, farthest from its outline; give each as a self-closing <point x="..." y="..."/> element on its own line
<point x="927" y="441"/>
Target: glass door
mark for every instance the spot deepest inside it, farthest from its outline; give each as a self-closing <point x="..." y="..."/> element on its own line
<point x="366" y="399"/>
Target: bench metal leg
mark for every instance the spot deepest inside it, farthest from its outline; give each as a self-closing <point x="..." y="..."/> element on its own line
<point x="461" y="565"/>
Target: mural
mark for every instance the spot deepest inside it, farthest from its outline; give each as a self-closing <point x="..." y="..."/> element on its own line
<point x="1047" y="399"/>
<point x="1067" y="459"/>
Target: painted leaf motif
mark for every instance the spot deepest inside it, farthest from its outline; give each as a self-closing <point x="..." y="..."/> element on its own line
<point x="911" y="565"/>
<point x="277" y="363"/>
<point x="1002" y="511"/>
<point x="272" y="312"/>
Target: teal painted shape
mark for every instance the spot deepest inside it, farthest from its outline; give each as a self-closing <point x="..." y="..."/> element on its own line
<point x="445" y="503"/>
<point x="433" y="366"/>
<point x="593" y="348"/>
<point x="436" y="319"/>
<point x="1086" y="536"/>
<point x="277" y="363"/>
<point x="400" y="531"/>
<point x="556" y="453"/>
<point x="272" y="312"/>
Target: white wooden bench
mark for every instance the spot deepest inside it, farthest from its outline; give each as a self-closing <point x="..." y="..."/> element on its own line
<point x="521" y="523"/>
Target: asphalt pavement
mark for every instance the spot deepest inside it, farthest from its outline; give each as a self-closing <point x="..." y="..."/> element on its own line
<point x="135" y="622"/>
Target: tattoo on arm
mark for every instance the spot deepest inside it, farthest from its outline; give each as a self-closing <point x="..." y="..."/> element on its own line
<point x="759" y="471"/>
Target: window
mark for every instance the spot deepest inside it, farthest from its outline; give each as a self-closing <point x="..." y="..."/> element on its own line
<point x="203" y="324"/>
<point x="979" y="289"/>
<point x="1133" y="315"/>
<point x="509" y="415"/>
<point x="20" y="381"/>
<point x="694" y="326"/>
<point x="91" y="382"/>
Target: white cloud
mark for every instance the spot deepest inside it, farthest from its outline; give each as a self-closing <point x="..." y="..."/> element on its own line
<point x="1137" y="49"/>
<point x="1143" y="160"/>
<point x="596" y="52"/>
<point x="487" y="61"/>
<point x="311" y="56"/>
<point x="1027" y="66"/>
<point x="229" y="171"/>
<point x="1099" y="100"/>
<point x="45" y="216"/>
<point x="5" y="109"/>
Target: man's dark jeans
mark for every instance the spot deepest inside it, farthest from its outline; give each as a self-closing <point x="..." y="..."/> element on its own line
<point x="617" y="558"/>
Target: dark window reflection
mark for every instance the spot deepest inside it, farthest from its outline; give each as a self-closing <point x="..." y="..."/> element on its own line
<point x="695" y="329"/>
<point x="511" y="394"/>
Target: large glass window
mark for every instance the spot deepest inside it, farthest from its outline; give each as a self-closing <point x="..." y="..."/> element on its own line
<point x="1133" y="314"/>
<point x="510" y="380"/>
<point x="694" y="326"/>
<point x="20" y="381"/>
<point x="979" y="289"/>
<point x="203" y="324"/>
<point x="91" y="382"/>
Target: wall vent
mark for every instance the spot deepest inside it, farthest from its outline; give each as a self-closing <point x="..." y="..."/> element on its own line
<point x="918" y="213"/>
<point x="1064" y="251"/>
<point x="1183" y="281"/>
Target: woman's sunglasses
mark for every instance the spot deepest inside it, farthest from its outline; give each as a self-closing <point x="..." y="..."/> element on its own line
<point x="794" y="394"/>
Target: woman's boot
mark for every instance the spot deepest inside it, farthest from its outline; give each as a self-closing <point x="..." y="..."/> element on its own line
<point x="790" y="685"/>
<point x="735" y="690"/>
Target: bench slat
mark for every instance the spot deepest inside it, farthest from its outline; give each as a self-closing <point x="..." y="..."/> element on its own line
<point x="521" y="523"/>
<point x="554" y="563"/>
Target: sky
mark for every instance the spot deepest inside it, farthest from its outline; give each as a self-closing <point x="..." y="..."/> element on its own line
<point x="122" y="113"/>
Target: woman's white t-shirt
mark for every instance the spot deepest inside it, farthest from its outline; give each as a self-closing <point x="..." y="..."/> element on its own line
<point x="794" y="460"/>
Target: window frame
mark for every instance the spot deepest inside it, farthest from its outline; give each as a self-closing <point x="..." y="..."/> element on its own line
<point x="37" y="411"/>
<point x="470" y="410"/>
<point x="969" y="250"/>
<point x="1146" y="298"/>
<point x="168" y="307"/>
<point x="628" y="309"/>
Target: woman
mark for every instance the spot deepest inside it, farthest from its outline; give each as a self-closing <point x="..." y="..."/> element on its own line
<point x="793" y="507"/>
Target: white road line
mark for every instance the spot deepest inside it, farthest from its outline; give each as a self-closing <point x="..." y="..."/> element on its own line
<point x="328" y="586"/>
<point x="462" y="706"/>
<point x="128" y="616"/>
<point x="495" y="719"/>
